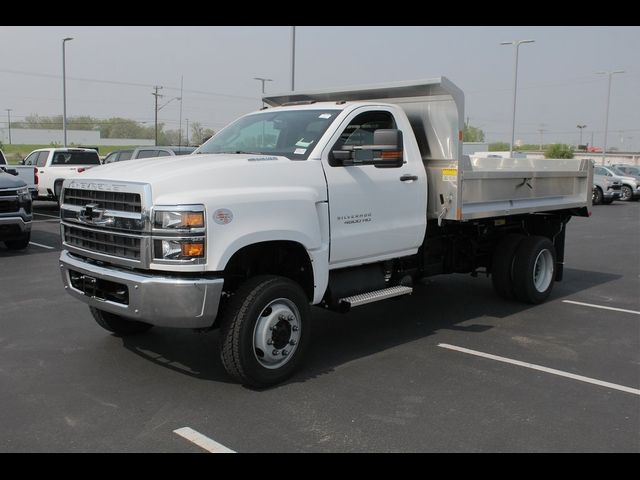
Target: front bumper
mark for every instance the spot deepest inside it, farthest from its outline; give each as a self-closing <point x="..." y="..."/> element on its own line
<point x="13" y="227"/>
<point x="161" y="300"/>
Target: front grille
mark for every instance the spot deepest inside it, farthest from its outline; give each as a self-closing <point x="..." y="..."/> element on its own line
<point x="8" y="193"/>
<point x="121" y="201"/>
<point x="8" y="206"/>
<point x="103" y="242"/>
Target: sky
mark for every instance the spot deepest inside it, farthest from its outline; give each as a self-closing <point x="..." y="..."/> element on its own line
<point x="110" y="71"/>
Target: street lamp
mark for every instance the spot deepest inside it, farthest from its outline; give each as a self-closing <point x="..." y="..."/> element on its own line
<point x="515" y="43"/>
<point x="606" y="118"/>
<point x="581" y="127"/>
<point x="64" y="92"/>
<point x="9" y="122"/>
<point x="260" y="79"/>
<point x="158" y="108"/>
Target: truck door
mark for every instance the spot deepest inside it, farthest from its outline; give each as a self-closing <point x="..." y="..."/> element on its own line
<point x="375" y="213"/>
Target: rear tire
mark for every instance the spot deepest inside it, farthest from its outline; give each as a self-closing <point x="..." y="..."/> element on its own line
<point x="19" y="244"/>
<point x="265" y="331"/>
<point x="57" y="190"/>
<point x="117" y="324"/>
<point x="502" y="265"/>
<point x="534" y="269"/>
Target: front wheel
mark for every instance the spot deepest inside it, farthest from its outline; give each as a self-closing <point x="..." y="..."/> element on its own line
<point x="597" y="196"/>
<point x="19" y="244"/>
<point x="265" y="331"/>
<point x="626" y="193"/>
<point x="117" y="324"/>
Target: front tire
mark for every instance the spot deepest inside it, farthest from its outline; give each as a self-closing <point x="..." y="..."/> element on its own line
<point x="19" y="244"/>
<point x="117" y="324"/>
<point x="597" y="196"/>
<point x="626" y="193"/>
<point x="265" y="331"/>
<point x="534" y="269"/>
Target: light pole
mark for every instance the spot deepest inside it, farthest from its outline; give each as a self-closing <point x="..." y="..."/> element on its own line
<point x="581" y="127"/>
<point x="515" y="43"/>
<point x="293" y="58"/>
<point x="263" y="80"/>
<point x="64" y="92"/>
<point x="606" y="118"/>
<point x="187" y="132"/>
<point x="158" y="108"/>
<point x="9" y="122"/>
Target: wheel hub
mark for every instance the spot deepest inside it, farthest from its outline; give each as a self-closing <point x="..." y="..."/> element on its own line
<point x="277" y="333"/>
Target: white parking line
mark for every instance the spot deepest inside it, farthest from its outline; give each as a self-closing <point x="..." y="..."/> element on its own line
<point x="45" y="215"/>
<point x="533" y="366"/>
<point x="40" y="245"/>
<point x="602" y="306"/>
<point x="202" y="441"/>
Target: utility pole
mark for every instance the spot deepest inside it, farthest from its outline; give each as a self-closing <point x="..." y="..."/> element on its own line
<point x="187" y="132"/>
<point x="156" y="94"/>
<point x="9" y="122"/>
<point x="541" y="130"/>
<point x="64" y="91"/>
<point x="263" y="80"/>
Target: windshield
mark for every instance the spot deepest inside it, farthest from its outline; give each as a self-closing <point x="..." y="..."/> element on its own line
<point x="292" y="134"/>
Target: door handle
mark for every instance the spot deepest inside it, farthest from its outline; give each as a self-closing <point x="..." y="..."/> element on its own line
<point x="408" y="178"/>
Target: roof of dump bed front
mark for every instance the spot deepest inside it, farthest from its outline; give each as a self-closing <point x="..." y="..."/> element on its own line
<point x="395" y="90"/>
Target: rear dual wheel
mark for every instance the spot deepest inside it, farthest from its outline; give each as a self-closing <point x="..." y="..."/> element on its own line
<point x="524" y="268"/>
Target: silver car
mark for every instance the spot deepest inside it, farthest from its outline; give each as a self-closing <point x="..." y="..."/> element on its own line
<point x="607" y="187"/>
<point x="629" y="190"/>
<point x="631" y="172"/>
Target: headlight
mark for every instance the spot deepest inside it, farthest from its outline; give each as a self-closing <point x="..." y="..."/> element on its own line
<point x="179" y="249"/>
<point x="23" y="194"/>
<point x="178" y="220"/>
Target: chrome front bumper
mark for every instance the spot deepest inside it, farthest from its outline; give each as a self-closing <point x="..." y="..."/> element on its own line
<point x="160" y="300"/>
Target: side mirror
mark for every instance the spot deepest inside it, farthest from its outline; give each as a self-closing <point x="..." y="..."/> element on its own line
<point x="386" y="151"/>
<point x="390" y="146"/>
<point x="22" y="161"/>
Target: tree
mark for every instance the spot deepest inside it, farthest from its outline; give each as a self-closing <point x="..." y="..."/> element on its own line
<point x="499" y="147"/>
<point x="199" y="133"/>
<point x="472" y="134"/>
<point x="558" y="150"/>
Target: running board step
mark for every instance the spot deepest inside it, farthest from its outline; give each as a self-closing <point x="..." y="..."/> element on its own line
<point x="375" y="296"/>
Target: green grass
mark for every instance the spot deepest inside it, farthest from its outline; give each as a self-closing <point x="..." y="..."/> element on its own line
<point x="15" y="153"/>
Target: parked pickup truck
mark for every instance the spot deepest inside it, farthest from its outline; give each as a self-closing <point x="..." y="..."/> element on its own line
<point x="27" y="174"/>
<point x="334" y="198"/>
<point x="54" y="165"/>
<point x="15" y="212"/>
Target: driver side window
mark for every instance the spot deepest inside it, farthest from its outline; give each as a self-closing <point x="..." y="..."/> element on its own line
<point x="360" y="132"/>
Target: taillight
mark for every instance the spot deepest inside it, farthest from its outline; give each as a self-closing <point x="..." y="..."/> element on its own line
<point x="35" y="175"/>
<point x="81" y="169"/>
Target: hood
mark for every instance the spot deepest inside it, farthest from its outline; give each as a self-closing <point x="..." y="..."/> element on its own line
<point x="10" y="181"/>
<point x="184" y="177"/>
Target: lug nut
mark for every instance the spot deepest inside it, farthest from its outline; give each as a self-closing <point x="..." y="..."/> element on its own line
<point x="291" y="318"/>
<point x="275" y="352"/>
<point x="285" y="353"/>
<point x="269" y="342"/>
<point x="294" y="328"/>
<point x="281" y="316"/>
<point x="292" y="342"/>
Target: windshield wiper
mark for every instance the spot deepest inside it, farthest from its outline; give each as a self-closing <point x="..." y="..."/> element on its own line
<point x="244" y="152"/>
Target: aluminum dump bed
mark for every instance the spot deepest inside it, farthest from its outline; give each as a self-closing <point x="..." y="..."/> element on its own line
<point x="460" y="187"/>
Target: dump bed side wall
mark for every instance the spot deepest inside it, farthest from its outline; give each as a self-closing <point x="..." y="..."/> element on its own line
<point x="492" y="187"/>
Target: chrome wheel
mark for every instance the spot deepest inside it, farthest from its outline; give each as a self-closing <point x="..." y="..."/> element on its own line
<point x="277" y="333"/>
<point x="626" y="193"/>
<point x="543" y="270"/>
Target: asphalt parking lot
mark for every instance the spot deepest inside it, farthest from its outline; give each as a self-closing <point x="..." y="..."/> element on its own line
<point x="451" y="368"/>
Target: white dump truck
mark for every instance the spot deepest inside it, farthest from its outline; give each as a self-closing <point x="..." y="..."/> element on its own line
<point x="333" y="198"/>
